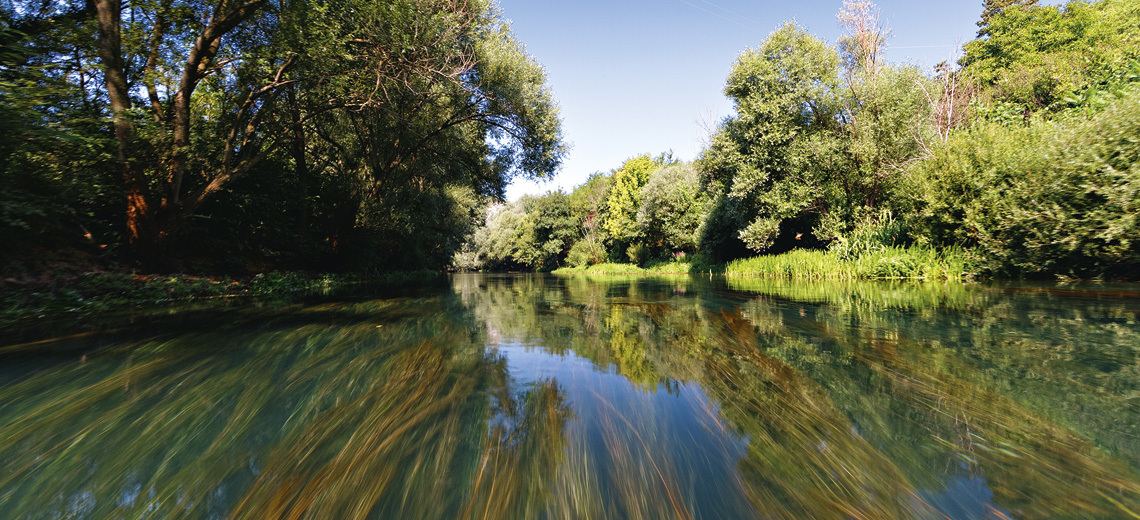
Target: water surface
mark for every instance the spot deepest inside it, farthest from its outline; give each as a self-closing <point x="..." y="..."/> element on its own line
<point x="531" y="396"/>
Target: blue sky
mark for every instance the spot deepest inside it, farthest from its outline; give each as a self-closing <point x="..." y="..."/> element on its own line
<point x="645" y="76"/>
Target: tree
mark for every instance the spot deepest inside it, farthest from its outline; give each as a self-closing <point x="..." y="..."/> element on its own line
<point x="1035" y="57"/>
<point x="885" y="114"/>
<point x="555" y="228"/>
<point x="812" y="152"/>
<point x="769" y="162"/>
<point x="866" y="39"/>
<point x="625" y="194"/>
<point x="54" y="154"/>
<point x="408" y="97"/>
<point x="672" y="208"/>
<point x="589" y="203"/>
<point x="992" y="8"/>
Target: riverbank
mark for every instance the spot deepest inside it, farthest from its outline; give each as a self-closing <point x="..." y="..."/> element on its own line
<point x="106" y="291"/>
<point x="885" y="263"/>
<point x="651" y="269"/>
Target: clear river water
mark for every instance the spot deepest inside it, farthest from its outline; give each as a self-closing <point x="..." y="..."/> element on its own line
<point x="540" y="396"/>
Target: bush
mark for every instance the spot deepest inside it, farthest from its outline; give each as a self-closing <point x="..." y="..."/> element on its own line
<point x="1043" y="199"/>
<point x="638" y="253"/>
<point x="871" y="235"/>
<point x="584" y="253"/>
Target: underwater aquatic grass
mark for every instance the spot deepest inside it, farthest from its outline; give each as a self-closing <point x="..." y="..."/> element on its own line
<point x="817" y="399"/>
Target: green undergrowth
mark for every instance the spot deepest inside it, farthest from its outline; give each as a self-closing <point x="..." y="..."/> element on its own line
<point x="652" y="269"/>
<point x="884" y="263"/>
<point x="868" y="298"/>
<point x="97" y="292"/>
<point x="919" y="263"/>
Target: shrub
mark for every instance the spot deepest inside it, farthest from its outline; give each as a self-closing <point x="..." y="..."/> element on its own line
<point x="638" y="253"/>
<point x="1046" y="198"/>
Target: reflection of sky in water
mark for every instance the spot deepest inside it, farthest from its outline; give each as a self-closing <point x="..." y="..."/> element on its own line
<point x="674" y="426"/>
<point x="682" y="409"/>
<point x="965" y="498"/>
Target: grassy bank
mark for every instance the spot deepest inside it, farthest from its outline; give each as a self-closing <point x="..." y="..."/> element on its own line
<point x="631" y="269"/>
<point x="884" y="263"/>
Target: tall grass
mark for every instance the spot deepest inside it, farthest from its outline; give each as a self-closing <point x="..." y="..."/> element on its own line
<point x="886" y="263"/>
<point x="689" y="264"/>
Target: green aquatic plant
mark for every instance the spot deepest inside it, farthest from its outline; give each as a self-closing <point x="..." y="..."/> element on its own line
<point x="540" y="396"/>
<point x="885" y="262"/>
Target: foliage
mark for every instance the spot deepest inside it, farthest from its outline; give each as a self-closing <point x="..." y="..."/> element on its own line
<point x="809" y="153"/>
<point x="555" y="227"/>
<point x="771" y="158"/>
<point x="588" y="202"/>
<point x="537" y="233"/>
<point x="355" y="135"/>
<point x="1043" y="199"/>
<point x="1035" y="56"/>
<point x="638" y="253"/>
<point x="672" y="208"/>
<point x="873" y="234"/>
<point x="53" y="159"/>
<point x="624" y="197"/>
<point x="992" y="8"/>
<point x="900" y="173"/>
<point x="887" y="262"/>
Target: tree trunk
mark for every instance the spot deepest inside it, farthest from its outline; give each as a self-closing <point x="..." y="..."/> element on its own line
<point x="299" y="162"/>
<point x="142" y="231"/>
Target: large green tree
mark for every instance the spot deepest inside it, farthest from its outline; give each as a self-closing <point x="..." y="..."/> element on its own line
<point x="384" y="105"/>
<point x="672" y="208"/>
<point x="1037" y="56"/>
<point x="768" y="162"/>
<point x="625" y="194"/>
<point x="992" y="8"/>
<point x="819" y="137"/>
<point x="54" y="155"/>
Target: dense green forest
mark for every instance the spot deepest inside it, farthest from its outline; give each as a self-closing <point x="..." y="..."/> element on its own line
<point x="1023" y="157"/>
<point x="244" y="135"/>
<point x="241" y="136"/>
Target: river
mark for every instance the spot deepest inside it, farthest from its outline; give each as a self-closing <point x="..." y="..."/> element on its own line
<point x="540" y="396"/>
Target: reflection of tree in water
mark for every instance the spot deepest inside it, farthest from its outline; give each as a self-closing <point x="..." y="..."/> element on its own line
<point x="804" y="460"/>
<point x="856" y="401"/>
<point x="1070" y="356"/>
<point x="948" y="407"/>
<point x="526" y="445"/>
<point x="873" y="400"/>
<point x="628" y="348"/>
<point x="613" y="325"/>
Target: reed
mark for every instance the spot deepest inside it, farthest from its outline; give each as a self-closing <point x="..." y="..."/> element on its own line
<point x="887" y="263"/>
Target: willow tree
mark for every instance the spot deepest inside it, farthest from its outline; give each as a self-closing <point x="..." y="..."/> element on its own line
<point x="770" y="162"/>
<point x="405" y="96"/>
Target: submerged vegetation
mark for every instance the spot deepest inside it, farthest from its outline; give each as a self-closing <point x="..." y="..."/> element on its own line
<point x="96" y="294"/>
<point x="529" y="396"/>
<point x="1021" y="161"/>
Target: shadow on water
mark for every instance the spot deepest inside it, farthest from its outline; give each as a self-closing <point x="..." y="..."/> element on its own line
<point x="533" y="396"/>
